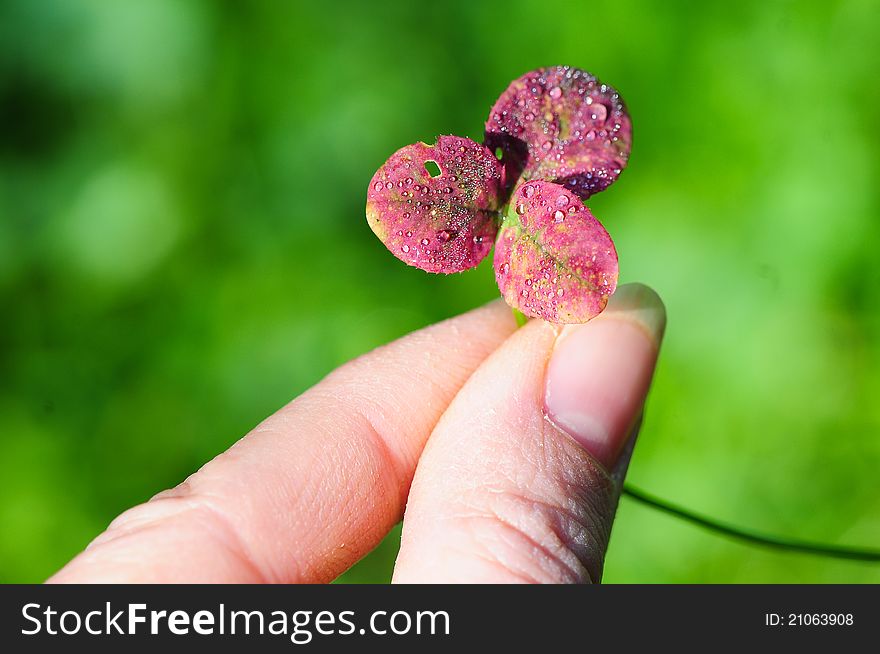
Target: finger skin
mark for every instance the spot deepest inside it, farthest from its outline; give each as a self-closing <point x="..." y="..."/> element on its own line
<point x="502" y="494"/>
<point x="315" y="486"/>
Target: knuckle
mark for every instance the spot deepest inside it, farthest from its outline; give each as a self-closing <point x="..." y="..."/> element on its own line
<point x="538" y="539"/>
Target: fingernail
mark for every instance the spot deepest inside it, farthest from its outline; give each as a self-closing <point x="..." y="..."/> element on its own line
<point x="599" y="373"/>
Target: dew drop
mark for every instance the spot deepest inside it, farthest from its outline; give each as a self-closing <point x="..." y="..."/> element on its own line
<point x="444" y="235"/>
<point x="556" y="93"/>
<point x="562" y="201"/>
<point x="377" y="186"/>
<point x="600" y="111"/>
<point x="389" y="185"/>
<point x="520" y="209"/>
<point x="546" y="145"/>
<point x="559" y="216"/>
<point x="529" y="191"/>
<point x="405" y="248"/>
<point x="408" y="234"/>
<point x="424" y="241"/>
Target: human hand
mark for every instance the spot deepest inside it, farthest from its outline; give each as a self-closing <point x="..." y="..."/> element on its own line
<point x="530" y="430"/>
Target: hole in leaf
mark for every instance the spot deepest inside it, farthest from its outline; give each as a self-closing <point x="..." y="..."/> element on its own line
<point x="432" y="168"/>
<point x="499" y="153"/>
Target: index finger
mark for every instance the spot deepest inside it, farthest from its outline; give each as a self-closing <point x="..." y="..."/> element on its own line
<point x="315" y="486"/>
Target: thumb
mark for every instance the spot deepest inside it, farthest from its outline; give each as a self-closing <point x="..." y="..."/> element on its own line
<point x="520" y="478"/>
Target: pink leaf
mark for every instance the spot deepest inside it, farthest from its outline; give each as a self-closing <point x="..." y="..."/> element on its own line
<point x="553" y="259"/>
<point x="564" y="125"/>
<point x="444" y="223"/>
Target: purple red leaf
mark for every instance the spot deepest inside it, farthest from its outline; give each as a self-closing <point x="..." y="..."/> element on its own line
<point x="444" y="223"/>
<point x="562" y="136"/>
<point x="553" y="259"/>
<point x="561" y="124"/>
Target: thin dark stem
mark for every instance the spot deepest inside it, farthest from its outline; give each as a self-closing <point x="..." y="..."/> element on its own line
<point x="789" y="544"/>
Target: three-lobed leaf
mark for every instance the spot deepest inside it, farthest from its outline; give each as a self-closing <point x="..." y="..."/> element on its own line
<point x="563" y="136"/>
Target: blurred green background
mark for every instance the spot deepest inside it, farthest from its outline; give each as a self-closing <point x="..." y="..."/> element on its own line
<point x="183" y="247"/>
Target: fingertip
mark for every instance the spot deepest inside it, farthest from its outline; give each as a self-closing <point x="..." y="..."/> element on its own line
<point x="641" y="305"/>
<point x="599" y="373"/>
